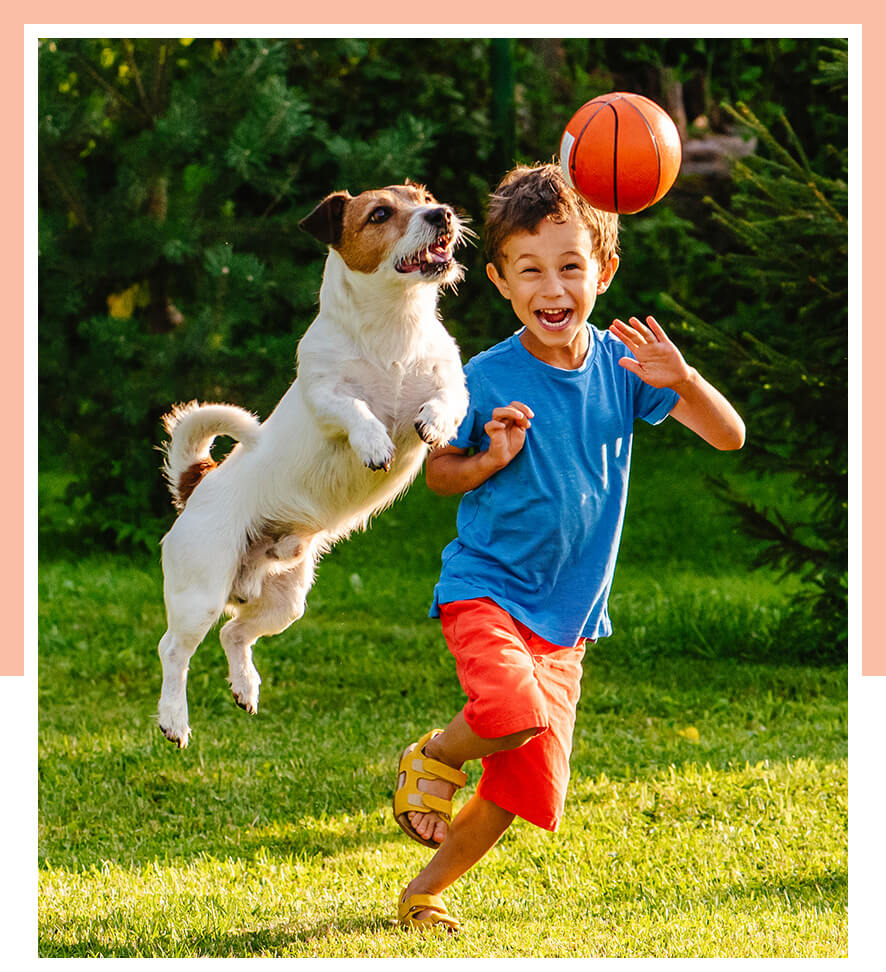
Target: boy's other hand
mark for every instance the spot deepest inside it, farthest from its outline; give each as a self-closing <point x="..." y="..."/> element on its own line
<point x="507" y="431"/>
<point x="657" y="361"/>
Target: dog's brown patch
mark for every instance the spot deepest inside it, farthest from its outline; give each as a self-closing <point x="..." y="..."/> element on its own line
<point x="365" y="244"/>
<point x="188" y="480"/>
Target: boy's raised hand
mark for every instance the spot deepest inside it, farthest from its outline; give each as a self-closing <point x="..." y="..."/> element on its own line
<point x="507" y="431"/>
<point x="658" y="361"/>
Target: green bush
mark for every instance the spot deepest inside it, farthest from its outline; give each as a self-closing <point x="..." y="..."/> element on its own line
<point x="785" y="337"/>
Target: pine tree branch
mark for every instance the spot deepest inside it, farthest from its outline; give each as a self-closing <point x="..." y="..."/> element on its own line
<point x="75" y="205"/>
<point x="771" y="527"/>
<point x="130" y="56"/>
<point x="723" y="340"/>
<point x="293" y="172"/>
<point x="159" y="72"/>
<point x="111" y="90"/>
<point x="792" y="135"/>
<point x="745" y="116"/>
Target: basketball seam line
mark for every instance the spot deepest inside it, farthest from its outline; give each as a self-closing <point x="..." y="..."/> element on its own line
<point x="578" y="138"/>
<point x="655" y="145"/>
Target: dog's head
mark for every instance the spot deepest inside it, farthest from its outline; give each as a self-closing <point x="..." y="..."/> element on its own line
<point x="399" y="229"/>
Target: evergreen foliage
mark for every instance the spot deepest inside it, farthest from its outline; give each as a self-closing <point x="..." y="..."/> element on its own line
<point x="786" y="341"/>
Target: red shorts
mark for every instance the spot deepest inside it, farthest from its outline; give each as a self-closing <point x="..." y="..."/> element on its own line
<point x="515" y="680"/>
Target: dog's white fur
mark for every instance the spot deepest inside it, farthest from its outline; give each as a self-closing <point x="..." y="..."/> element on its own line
<point x="379" y="380"/>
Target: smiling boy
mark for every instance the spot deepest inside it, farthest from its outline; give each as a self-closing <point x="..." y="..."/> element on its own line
<point x="542" y="459"/>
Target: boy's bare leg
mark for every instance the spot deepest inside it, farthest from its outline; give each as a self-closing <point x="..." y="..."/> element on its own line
<point x="474" y="832"/>
<point x="457" y="744"/>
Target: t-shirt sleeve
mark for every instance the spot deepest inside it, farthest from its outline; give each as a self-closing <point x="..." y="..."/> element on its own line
<point x="653" y="405"/>
<point x="470" y="433"/>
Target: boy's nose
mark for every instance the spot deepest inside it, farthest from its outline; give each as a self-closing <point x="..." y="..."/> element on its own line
<point x="552" y="285"/>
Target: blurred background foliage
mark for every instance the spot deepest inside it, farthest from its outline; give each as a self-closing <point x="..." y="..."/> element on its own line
<point x="173" y="174"/>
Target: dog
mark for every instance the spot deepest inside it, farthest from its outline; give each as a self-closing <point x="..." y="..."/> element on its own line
<point x="378" y="381"/>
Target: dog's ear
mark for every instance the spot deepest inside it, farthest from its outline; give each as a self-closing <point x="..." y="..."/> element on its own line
<point x="325" y="222"/>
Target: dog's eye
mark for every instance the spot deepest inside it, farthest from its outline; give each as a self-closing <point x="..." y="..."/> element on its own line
<point x="380" y="214"/>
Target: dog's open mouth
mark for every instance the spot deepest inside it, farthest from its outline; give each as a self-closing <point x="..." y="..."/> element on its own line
<point x="429" y="261"/>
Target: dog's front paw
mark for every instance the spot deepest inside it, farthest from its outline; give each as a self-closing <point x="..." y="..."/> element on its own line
<point x="374" y="447"/>
<point x="434" y="426"/>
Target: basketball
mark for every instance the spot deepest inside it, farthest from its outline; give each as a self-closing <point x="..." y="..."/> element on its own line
<point x="621" y="151"/>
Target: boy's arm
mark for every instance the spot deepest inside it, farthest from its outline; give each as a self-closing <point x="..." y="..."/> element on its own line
<point x="658" y="362"/>
<point x="451" y="470"/>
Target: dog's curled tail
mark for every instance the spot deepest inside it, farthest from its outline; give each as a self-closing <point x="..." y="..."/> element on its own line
<point x="192" y="429"/>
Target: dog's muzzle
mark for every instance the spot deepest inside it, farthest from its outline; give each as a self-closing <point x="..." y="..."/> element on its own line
<point x="436" y="257"/>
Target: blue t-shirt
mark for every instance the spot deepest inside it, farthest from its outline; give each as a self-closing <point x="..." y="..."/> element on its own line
<point x="540" y="537"/>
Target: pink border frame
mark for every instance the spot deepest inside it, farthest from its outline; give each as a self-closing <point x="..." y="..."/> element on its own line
<point x="867" y="647"/>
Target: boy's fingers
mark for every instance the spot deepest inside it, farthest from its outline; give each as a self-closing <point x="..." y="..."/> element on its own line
<point x="523" y="408"/>
<point x="656" y="329"/>
<point x="645" y="332"/>
<point x="624" y="333"/>
<point x="507" y="413"/>
<point x="631" y="364"/>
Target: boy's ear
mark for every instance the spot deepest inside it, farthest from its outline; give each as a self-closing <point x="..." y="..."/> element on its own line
<point x="500" y="283"/>
<point x="606" y="275"/>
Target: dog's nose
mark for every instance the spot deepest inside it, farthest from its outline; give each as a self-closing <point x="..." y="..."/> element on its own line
<point x="441" y="217"/>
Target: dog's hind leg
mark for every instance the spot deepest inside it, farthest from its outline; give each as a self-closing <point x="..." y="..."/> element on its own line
<point x="198" y="568"/>
<point x="176" y="648"/>
<point x="282" y="601"/>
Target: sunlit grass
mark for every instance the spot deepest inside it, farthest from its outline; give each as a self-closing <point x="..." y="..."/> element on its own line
<point x="707" y="808"/>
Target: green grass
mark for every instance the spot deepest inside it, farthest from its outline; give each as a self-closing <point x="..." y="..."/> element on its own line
<point x="707" y="808"/>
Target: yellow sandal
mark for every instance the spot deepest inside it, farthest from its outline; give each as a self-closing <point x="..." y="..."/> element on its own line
<point x="408" y="798"/>
<point x="407" y="908"/>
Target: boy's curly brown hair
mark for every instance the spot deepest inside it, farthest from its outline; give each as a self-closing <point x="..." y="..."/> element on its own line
<point x="529" y="194"/>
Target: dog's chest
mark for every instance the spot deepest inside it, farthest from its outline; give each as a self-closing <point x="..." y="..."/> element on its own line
<point x="395" y="390"/>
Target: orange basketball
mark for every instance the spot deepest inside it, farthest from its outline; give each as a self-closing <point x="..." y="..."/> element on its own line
<point x="621" y="151"/>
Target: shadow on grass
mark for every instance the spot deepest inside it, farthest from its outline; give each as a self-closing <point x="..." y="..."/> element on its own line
<point x="827" y="890"/>
<point x="269" y="941"/>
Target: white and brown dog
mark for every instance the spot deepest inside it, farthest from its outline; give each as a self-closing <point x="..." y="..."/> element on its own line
<point x="379" y="380"/>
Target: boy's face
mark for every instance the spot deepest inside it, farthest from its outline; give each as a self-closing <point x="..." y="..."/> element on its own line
<point x="552" y="280"/>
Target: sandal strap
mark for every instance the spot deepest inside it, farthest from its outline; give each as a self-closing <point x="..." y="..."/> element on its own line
<point x="421" y="902"/>
<point x="429" y="768"/>
<point x="416" y="765"/>
<point x="415" y="903"/>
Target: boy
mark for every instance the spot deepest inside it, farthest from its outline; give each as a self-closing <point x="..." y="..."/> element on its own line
<point x="542" y="460"/>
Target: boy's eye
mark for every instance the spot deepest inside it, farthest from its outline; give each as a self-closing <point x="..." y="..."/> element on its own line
<point x="380" y="214"/>
<point x="572" y="266"/>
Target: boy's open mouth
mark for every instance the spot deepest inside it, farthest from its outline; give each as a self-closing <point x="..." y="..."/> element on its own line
<point x="555" y="318"/>
<point x="430" y="261"/>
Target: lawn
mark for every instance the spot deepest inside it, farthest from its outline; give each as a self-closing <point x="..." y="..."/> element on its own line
<point x="707" y="813"/>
